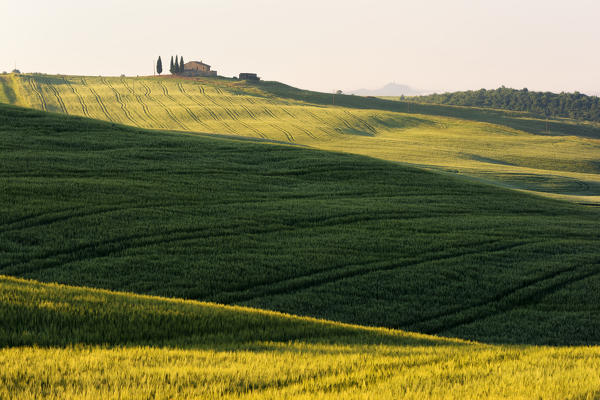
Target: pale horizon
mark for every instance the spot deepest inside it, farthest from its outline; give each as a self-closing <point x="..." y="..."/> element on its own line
<point x="325" y="46"/>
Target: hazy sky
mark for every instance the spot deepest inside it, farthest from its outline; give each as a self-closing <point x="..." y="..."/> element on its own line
<point x="324" y="45"/>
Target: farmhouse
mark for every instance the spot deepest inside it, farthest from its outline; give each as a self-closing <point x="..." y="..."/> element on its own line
<point x="197" y="68"/>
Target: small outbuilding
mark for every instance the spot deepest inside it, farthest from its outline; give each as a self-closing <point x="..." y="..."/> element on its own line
<point x="248" y="76"/>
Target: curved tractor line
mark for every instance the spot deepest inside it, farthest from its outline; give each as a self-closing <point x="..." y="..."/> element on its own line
<point x="250" y="113"/>
<point x="182" y="90"/>
<point x="148" y="93"/>
<point x="58" y="98"/>
<point x="98" y="99"/>
<point x="120" y="101"/>
<point x="39" y="94"/>
<point x="361" y="121"/>
<point x="287" y="134"/>
<point x="288" y="112"/>
<point x="521" y="295"/>
<point x="216" y="117"/>
<point x="81" y="101"/>
<point x="251" y="128"/>
<point x="306" y="131"/>
<point x="153" y="121"/>
<point x="186" y="108"/>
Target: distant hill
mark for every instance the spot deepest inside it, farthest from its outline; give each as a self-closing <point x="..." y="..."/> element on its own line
<point x="545" y="104"/>
<point x="391" y="89"/>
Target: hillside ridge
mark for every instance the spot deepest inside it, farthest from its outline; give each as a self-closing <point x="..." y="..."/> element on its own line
<point x="554" y="159"/>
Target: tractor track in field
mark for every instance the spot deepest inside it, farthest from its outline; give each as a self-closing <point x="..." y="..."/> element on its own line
<point x="186" y="108"/>
<point x="315" y="116"/>
<point x="361" y="121"/>
<point x="144" y="106"/>
<point x="319" y="278"/>
<point x="84" y="108"/>
<point x="256" y="131"/>
<point x="306" y="131"/>
<point x="232" y="113"/>
<point x="119" y="100"/>
<point x="198" y="103"/>
<point x="288" y="135"/>
<point x="113" y="246"/>
<point x="269" y="112"/>
<point x="98" y="100"/>
<point x="217" y="118"/>
<point x="209" y="98"/>
<point x="148" y="94"/>
<point x="231" y="110"/>
<point x="58" y="98"/>
<point x="344" y="122"/>
<point x="288" y="113"/>
<point x="51" y="217"/>
<point x="227" y="126"/>
<point x="212" y="114"/>
<point x="327" y="129"/>
<point x="250" y="113"/>
<point x="505" y="301"/>
<point x="39" y="94"/>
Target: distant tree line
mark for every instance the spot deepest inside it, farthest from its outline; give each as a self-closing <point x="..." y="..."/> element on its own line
<point x="176" y="66"/>
<point x="570" y="105"/>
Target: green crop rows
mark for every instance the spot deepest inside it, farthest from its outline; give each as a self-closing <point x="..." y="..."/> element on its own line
<point x="282" y="227"/>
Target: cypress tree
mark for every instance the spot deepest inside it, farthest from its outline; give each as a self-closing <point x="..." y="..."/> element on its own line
<point x="159" y="66"/>
<point x="172" y="67"/>
<point x="181" y="67"/>
<point x="177" y="65"/>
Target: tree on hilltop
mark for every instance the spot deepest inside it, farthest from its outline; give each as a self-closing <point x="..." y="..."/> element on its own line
<point x="172" y="67"/>
<point x="177" y="65"/>
<point x="181" y="67"/>
<point x="159" y="65"/>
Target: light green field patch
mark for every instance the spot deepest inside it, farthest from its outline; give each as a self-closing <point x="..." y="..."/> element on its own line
<point x="567" y="163"/>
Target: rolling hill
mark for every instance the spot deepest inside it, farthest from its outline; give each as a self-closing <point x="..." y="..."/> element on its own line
<point x="515" y="150"/>
<point x="284" y="227"/>
<point x="78" y="343"/>
<point x="567" y="105"/>
<point x="269" y="222"/>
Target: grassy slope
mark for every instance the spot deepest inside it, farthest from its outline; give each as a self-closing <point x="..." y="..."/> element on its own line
<point x="297" y="230"/>
<point x="516" y="153"/>
<point x="66" y="342"/>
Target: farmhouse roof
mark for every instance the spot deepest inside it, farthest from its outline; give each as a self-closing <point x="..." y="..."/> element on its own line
<point x="197" y="62"/>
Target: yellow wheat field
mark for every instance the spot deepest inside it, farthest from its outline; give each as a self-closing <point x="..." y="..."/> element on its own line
<point x="84" y="343"/>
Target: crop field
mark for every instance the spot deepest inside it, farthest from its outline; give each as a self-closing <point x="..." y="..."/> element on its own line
<point x="68" y="342"/>
<point x="557" y="159"/>
<point x="288" y="228"/>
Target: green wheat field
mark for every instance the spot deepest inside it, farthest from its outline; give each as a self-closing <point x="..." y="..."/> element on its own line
<point x="210" y="238"/>
<point x="557" y="159"/>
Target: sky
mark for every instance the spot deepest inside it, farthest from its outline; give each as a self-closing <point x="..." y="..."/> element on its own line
<point x="435" y="45"/>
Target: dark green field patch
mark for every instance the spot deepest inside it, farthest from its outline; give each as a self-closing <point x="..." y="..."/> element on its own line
<point x="314" y="233"/>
